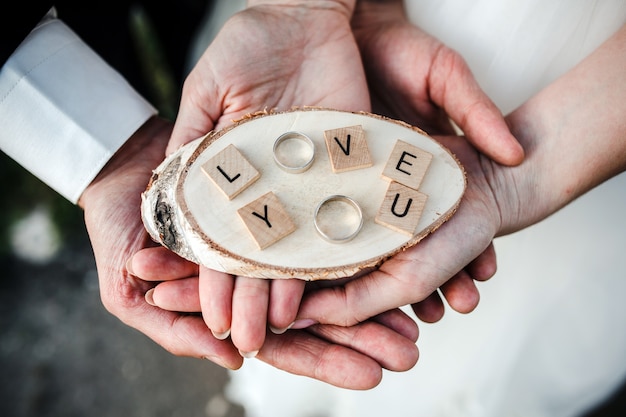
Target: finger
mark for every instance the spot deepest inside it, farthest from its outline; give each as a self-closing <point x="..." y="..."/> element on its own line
<point x="216" y="295"/>
<point x="484" y="266"/>
<point x="431" y="309"/>
<point x="197" y="113"/>
<point x="453" y="87"/>
<point x="391" y="350"/>
<point x="398" y="321"/>
<point x="179" y="295"/>
<point x="357" y="300"/>
<point x="461" y="293"/>
<point x="185" y="335"/>
<point x="179" y="334"/>
<point x="249" y="314"/>
<point x="302" y="353"/>
<point x="347" y="357"/>
<point x="285" y="296"/>
<point x="160" y="264"/>
<point x="397" y="282"/>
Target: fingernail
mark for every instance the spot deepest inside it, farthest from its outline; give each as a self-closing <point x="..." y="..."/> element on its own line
<point x="218" y="361"/>
<point x="303" y="323"/>
<point x="150" y="297"/>
<point x="276" y="330"/>
<point x="248" y="355"/>
<point x="221" y="336"/>
<point x="129" y="266"/>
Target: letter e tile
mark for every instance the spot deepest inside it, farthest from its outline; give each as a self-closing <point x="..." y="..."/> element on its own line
<point x="347" y="148"/>
<point x="267" y="220"/>
<point x="407" y="164"/>
<point x="401" y="209"/>
<point x="230" y="171"/>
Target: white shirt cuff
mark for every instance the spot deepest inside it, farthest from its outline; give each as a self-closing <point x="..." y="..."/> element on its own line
<point x="64" y="110"/>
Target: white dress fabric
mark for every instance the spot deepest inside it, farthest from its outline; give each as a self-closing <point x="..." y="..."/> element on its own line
<point x="548" y="338"/>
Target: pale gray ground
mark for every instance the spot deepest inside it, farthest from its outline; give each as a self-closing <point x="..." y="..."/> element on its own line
<point x="63" y="354"/>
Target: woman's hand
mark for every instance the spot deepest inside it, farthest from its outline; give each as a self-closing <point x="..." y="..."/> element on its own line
<point x="415" y="78"/>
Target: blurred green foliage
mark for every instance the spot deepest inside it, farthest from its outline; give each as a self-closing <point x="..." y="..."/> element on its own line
<point x="164" y="90"/>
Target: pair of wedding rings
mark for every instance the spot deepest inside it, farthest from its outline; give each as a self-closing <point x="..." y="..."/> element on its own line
<point x="337" y="218"/>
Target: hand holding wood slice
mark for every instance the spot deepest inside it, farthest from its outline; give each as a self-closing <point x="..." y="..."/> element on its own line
<point x="307" y="193"/>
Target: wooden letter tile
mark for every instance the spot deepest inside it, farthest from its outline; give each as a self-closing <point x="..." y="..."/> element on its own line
<point x="407" y="164"/>
<point x="347" y="148"/>
<point x="230" y="171"/>
<point x="266" y="220"/>
<point x="401" y="209"/>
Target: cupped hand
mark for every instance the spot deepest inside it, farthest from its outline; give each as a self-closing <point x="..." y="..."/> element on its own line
<point x="112" y="216"/>
<point x="268" y="56"/>
<point x="461" y="248"/>
<point x="575" y="108"/>
<point x="350" y="358"/>
<point x="416" y="78"/>
<point x="273" y="56"/>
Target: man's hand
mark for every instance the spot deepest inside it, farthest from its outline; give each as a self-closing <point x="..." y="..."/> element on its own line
<point x="113" y="220"/>
<point x="347" y="357"/>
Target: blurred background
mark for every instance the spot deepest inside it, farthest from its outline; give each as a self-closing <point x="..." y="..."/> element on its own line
<point x="61" y="352"/>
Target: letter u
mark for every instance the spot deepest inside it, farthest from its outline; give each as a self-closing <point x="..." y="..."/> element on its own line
<point x="406" y="209"/>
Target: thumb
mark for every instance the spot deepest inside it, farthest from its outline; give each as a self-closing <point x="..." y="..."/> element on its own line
<point x="454" y="88"/>
<point x="197" y="114"/>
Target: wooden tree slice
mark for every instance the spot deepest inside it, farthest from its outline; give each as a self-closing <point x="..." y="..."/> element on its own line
<point x="263" y="225"/>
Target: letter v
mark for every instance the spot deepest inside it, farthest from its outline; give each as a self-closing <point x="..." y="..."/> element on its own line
<point x="345" y="150"/>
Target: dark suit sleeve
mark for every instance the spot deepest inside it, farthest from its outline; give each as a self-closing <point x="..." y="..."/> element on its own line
<point x="104" y="26"/>
<point x="17" y="21"/>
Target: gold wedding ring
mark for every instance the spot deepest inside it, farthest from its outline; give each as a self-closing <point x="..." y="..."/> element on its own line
<point x="338" y="219"/>
<point x="294" y="152"/>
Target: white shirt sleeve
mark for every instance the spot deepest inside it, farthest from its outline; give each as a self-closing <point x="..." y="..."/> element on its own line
<point x="64" y="110"/>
